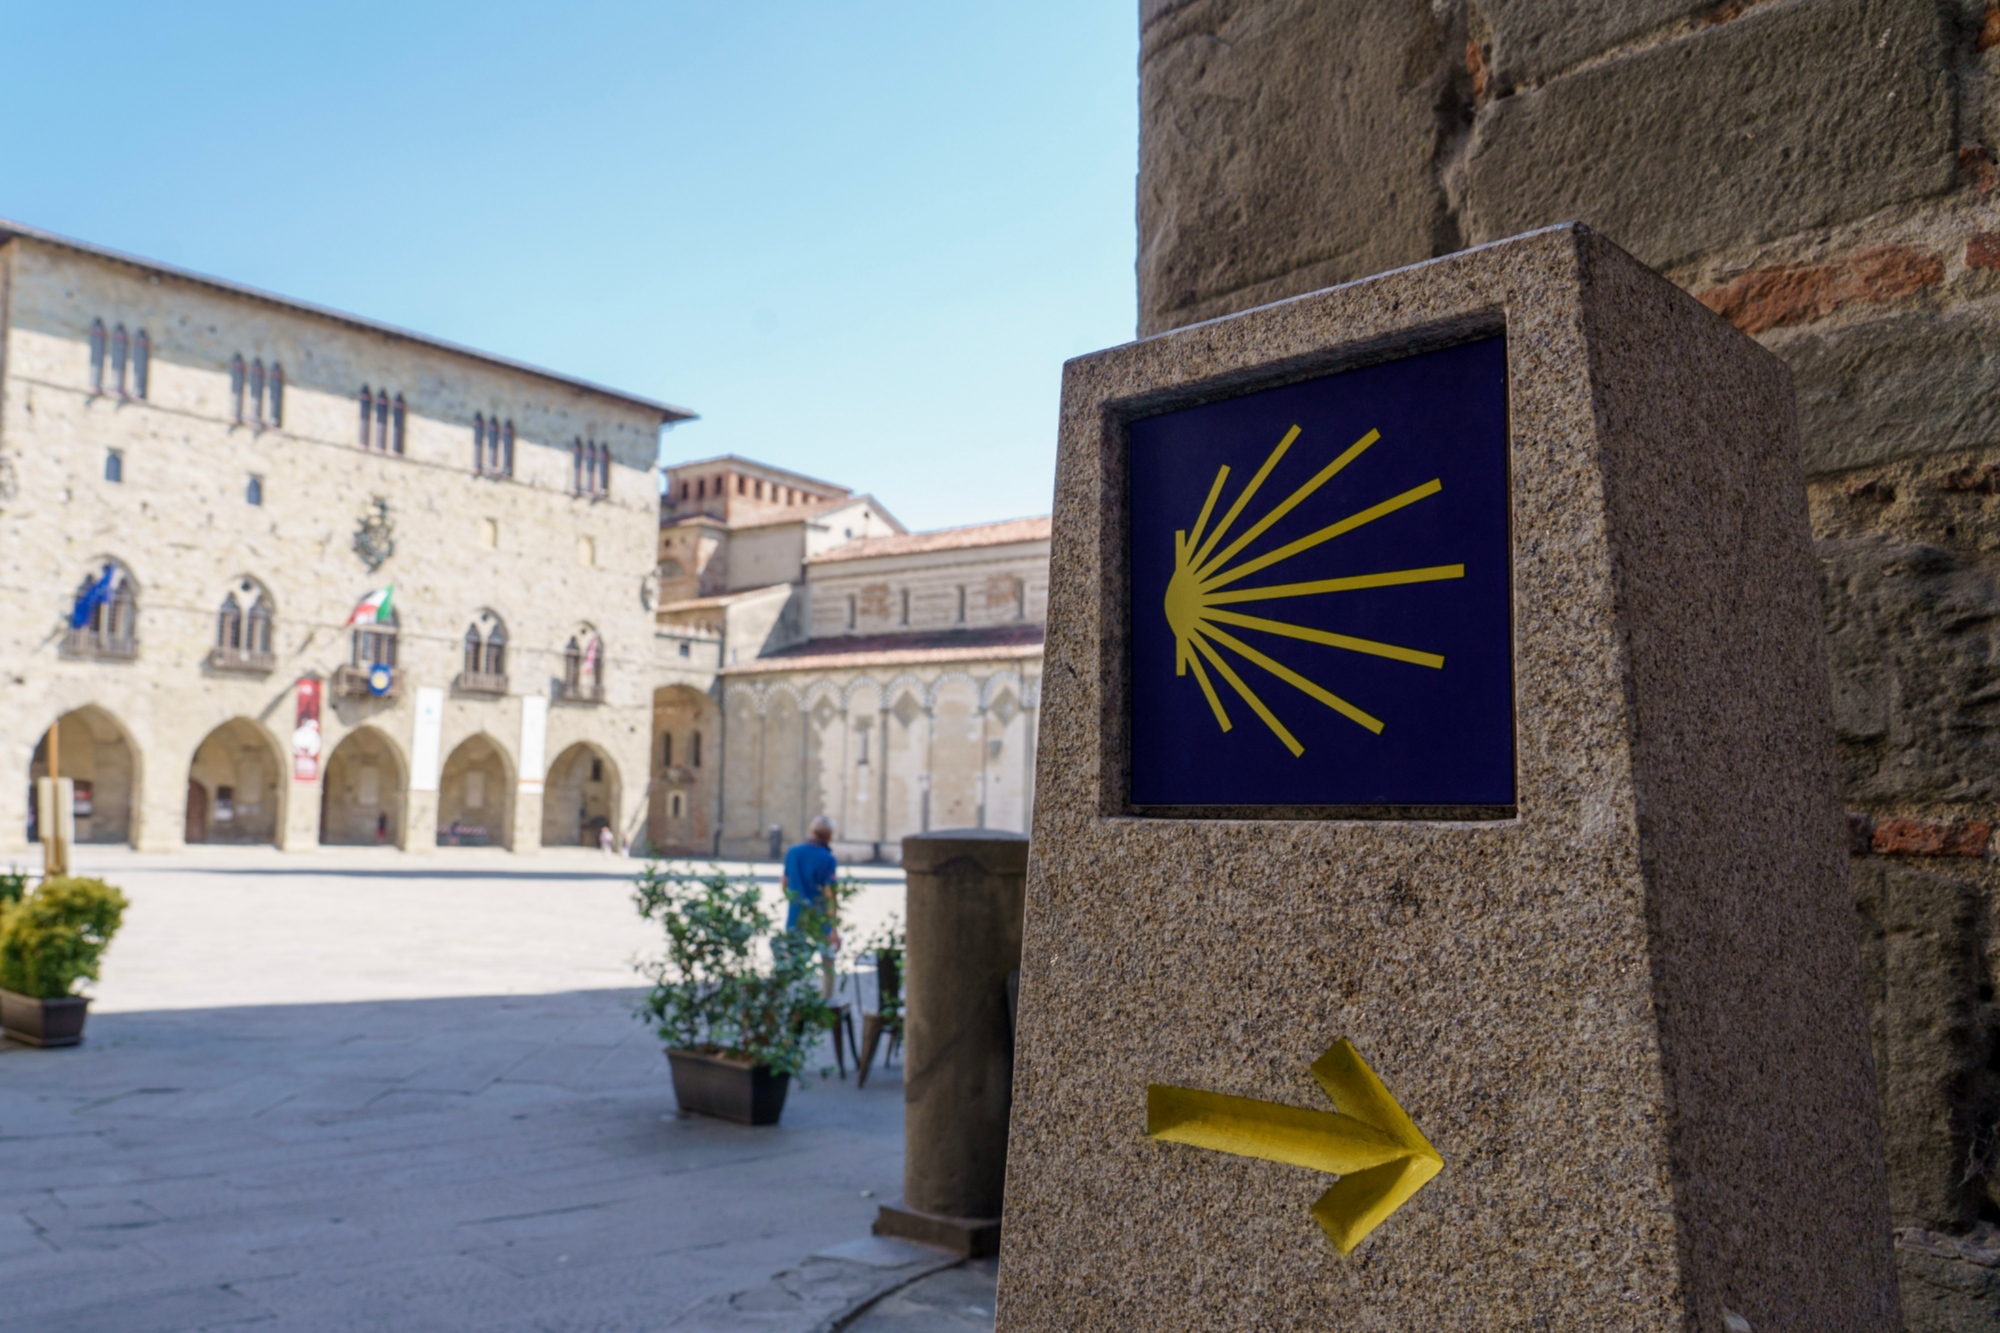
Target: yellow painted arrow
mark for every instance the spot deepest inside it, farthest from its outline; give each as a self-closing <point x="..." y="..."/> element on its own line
<point x="1376" y="1150"/>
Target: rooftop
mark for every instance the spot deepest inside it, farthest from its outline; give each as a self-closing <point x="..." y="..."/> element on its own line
<point x="667" y="411"/>
<point x="945" y="539"/>
<point x="752" y="465"/>
<point x="871" y="650"/>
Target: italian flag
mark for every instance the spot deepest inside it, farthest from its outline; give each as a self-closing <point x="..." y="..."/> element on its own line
<point x="374" y="608"/>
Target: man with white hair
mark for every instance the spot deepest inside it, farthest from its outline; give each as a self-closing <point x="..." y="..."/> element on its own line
<point x="809" y="868"/>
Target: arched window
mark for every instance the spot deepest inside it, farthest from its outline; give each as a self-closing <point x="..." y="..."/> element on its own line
<point x="121" y="615"/>
<point x="576" y="466"/>
<point x="277" y="394"/>
<point x="229" y="625"/>
<point x="398" y="442"/>
<point x="104" y="617"/>
<point x="236" y="386"/>
<point x="257" y="628"/>
<point x="684" y="490"/>
<point x="253" y="490"/>
<point x="114" y="466"/>
<point x="97" y="356"/>
<point x="478" y="442"/>
<point x="604" y="469"/>
<point x="694" y="750"/>
<point x="583" y="666"/>
<point x="667" y="749"/>
<point x="700" y="489"/>
<point x="367" y="411"/>
<point x="375" y="642"/>
<point x="243" y="641"/>
<point x="142" y="363"/>
<point x="485" y="666"/>
<point x="507" y="449"/>
<point x="257" y="390"/>
<point x="120" y="345"/>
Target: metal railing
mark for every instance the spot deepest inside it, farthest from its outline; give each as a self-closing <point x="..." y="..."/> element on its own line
<point x="482" y="682"/>
<point x="352" y="682"/>
<point x="241" y="659"/>
<point x="95" y="643"/>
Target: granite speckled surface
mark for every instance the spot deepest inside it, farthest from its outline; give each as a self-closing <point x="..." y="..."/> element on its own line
<point x="1630" y="1018"/>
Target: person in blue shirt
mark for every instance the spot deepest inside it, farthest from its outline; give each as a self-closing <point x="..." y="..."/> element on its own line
<point x="809" y="868"/>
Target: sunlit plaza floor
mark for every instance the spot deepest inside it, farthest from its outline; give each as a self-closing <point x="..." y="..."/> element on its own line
<point x="365" y="1090"/>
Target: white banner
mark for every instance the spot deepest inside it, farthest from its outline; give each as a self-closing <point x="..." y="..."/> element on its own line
<point x="424" y="747"/>
<point x="534" y="740"/>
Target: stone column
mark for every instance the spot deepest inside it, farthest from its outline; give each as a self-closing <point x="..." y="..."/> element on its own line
<point x="966" y="890"/>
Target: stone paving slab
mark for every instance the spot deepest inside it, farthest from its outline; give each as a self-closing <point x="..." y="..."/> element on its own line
<point x="248" y="1135"/>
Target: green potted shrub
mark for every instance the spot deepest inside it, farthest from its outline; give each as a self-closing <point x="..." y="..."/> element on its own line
<point x="50" y="939"/>
<point x="737" y="1001"/>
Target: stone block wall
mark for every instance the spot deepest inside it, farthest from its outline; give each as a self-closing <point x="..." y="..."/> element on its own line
<point x="1822" y="174"/>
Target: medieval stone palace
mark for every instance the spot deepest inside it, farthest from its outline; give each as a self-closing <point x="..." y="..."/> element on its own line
<point x="284" y="575"/>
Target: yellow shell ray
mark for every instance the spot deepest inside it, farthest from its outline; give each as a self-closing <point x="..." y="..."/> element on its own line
<point x="1194" y="592"/>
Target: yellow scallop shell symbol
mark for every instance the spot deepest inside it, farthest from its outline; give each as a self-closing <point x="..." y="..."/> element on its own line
<point x="1196" y="595"/>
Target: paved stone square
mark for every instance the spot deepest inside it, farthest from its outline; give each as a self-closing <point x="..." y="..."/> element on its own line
<point x="374" y="1091"/>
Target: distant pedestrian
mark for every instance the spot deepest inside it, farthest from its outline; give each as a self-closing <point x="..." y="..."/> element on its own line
<point x="607" y="841"/>
<point x="809" y="869"/>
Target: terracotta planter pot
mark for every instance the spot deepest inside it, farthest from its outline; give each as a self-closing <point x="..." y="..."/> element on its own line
<point x="43" y="1022"/>
<point x="728" y="1089"/>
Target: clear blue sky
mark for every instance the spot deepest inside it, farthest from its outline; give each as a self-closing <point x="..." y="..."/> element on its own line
<point x="859" y="239"/>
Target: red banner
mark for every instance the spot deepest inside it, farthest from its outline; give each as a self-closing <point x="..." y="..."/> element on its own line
<point x="305" y="736"/>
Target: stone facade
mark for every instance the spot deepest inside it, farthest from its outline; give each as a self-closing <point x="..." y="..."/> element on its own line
<point x="205" y="487"/>
<point x="887" y="679"/>
<point x="1822" y="174"/>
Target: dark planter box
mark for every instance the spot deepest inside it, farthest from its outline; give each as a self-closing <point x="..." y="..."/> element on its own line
<point x="728" y="1089"/>
<point x="47" y="1022"/>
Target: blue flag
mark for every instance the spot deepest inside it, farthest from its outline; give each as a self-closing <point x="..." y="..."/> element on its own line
<point x="96" y="595"/>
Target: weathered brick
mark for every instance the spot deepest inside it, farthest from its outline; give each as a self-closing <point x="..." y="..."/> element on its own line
<point x="1533" y="39"/>
<point x="1925" y="837"/>
<point x="1896" y="387"/>
<point x="1285" y="145"/>
<point x="1796" y="115"/>
<point x="1770" y="298"/>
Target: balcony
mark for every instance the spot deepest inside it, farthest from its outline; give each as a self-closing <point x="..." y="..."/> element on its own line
<point x="90" y="643"/>
<point x="244" y="660"/>
<point x="351" y="682"/>
<point x="587" y="692"/>
<point x="481" y="682"/>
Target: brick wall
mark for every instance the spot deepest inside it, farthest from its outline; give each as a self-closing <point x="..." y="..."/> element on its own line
<point x="1822" y="174"/>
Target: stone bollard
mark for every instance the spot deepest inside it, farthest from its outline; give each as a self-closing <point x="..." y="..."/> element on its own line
<point x="967" y="888"/>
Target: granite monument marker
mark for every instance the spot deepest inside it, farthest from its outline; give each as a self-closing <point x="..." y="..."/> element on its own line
<point x="1436" y="792"/>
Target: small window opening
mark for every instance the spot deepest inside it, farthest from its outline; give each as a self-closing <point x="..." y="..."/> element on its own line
<point x="142" y="363"/>
<point x="254" y="492"/>
<point x="119" y="346"/>
<point x="851" y="611"/>
<point x="667" y="750"/>
<point x="367" y="413"/>
<point x="97" y="356"/>
<point x="694" y="750"/>
<point x="257" y="390"/>
<point x="906" y="606"/>
<point x="597" y="770"/>
<point x="236" y="376"/>
<point x="114" y="465"/>
<point x="277" y="394"/>
<point x="399" y="424"/>
<point x="961" y="603"/>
